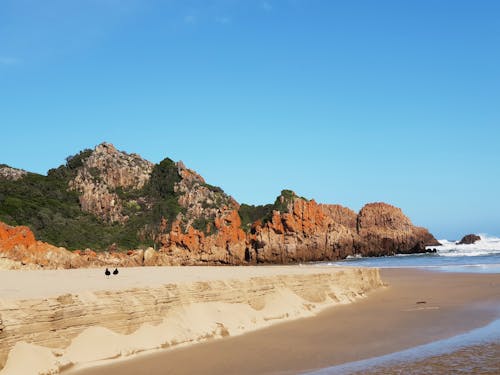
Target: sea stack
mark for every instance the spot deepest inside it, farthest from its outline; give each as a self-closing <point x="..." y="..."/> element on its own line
<point x="469" y="239"/>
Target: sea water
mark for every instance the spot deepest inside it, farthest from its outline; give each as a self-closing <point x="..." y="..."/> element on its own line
<point x="482" y="256"/>
<point x="474" y="352"/>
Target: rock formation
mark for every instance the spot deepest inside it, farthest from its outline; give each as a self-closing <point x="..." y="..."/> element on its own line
<point x="20" y="249"/>
<point x="132" y="201"/>
<point x="226" y="246"/>
<point x="11" y="173"/>
<point x="386" y="230"/>
<point x="307" y="232"/>
<point x="313" y="232"/>
<point x="469" y="239"/>
<point x="105" y="170"/>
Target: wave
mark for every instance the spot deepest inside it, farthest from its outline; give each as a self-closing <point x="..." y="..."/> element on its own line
<point x="487" y="245"/>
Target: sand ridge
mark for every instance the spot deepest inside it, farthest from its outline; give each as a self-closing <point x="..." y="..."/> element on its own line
<point x="181" y="306"/>
<point x="385" y="322"/>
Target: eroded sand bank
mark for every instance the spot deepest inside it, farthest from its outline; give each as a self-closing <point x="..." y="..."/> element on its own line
<point x="389" y="320"/>
<point x="65" y="317"/>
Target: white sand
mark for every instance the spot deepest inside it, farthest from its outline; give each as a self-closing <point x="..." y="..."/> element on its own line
<point x="24" y="284"/>
<point x="226" y="301"/>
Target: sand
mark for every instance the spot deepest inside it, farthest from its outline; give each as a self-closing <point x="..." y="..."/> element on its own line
<point x="63" y="318"/>
<point x="418" y="307"/>
<point x="21" y="284"/>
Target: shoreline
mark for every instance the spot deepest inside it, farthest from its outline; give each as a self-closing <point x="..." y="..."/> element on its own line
<point x="80" y="316"/>
<point x="389" y="320"/>
<point x="475" y="351"/>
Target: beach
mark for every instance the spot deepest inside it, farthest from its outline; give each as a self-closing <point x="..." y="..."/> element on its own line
<point x="64" y="319"/>
<point x="417" y="307"/>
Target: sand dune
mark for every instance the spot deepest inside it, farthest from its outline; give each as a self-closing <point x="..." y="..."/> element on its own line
<point x="65" y="317"/>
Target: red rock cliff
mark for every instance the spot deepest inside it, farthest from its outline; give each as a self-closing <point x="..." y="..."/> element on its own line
<point x="307" y="232"/>
<point x="385" y="230"/>
<point x="312" y="232"/>
<point x="19" y="247"/>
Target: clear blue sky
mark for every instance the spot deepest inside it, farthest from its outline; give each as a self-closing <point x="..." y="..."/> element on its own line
<point x="342" y="101"/>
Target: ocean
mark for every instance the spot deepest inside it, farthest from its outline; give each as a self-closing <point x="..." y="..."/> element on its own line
<point x="474" y="352"/>
<point x="482" y="256"/>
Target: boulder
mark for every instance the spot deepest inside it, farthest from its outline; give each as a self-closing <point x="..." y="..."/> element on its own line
<point x="469" y="239"/>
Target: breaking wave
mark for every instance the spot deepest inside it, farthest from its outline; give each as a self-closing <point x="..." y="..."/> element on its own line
<point x="487" y="245"/>
<point x="480" y="257"/>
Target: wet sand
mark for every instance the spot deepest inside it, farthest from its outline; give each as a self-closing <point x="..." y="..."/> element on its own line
<point x="476" y="359"/>
<point x="417" y="307"/>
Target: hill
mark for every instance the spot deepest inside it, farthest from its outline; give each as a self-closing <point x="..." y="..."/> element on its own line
<point x="109" y="200"/>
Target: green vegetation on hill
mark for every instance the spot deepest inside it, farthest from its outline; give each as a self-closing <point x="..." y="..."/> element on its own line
<point x="53" y="213"/>
<point x="250" y="214"/>
<point x="284" y="199"/>
<point x="45" y="204"/>
<point x="205" y="225"/>
<point x="67" y="171"/>
<point x="160" y="195"/>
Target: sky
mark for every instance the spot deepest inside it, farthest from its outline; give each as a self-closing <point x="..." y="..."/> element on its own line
<point x="345" y="102"/>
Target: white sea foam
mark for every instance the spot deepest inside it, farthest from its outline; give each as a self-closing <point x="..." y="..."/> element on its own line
<point x="487" y="245"/>
<point x="355" y="256"/>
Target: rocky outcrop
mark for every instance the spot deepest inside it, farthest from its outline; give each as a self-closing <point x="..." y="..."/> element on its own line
<point x="20" y="249"/>
<point x="188" y="221"/>
<point x="102" y="173"/>
<point x="469" y="239"/>
<point x="226" y="246"/>
<point x="307" y="232"/>
<point x="9" y="173"/>
<point x="202" y="203"/>
<point x="312" y="232"/>
<point x="385" y="230"/>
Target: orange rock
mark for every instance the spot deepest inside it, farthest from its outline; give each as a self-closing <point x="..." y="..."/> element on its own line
<point x="306" y="232"/>
<point x="15" y="236"/>
<point x="309" y="231"/>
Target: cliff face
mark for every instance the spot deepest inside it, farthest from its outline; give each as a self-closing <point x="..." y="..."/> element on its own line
<point x="20" y="249"/>
<point x="204" y="207"/>
<point x="226" y="246"/>
<point x="385" y="230"/>
<point x="313" y="232"/>
<point x="105" y="170"/>
<point x="307" y="232"/>
<point x="126" y="202"/>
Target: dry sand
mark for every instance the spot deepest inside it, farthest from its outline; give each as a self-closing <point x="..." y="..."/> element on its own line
<point x="389" y="320"/>
<point x="23" y="284"/>
<point x="85" y="317"/>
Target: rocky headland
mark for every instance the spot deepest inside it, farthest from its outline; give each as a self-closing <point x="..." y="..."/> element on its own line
<point x="108" y="207"/>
